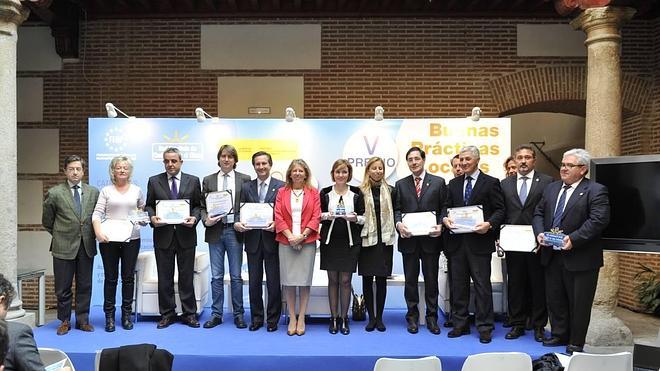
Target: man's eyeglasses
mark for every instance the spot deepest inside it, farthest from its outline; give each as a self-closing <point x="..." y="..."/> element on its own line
<point x="570" y="166"/>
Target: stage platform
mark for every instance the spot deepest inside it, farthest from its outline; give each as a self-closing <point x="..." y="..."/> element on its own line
<point x="228" y="348"/>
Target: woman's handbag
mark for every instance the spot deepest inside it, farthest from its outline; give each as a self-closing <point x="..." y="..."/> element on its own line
<point x="359" y="307"/>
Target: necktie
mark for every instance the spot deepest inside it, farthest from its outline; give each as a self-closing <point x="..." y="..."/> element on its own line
<point x="418" y="186"/>
<point x="468" y="190"/>
<point x="174" y="190"/>
<point x="262" y="192"/>
<point x="523" y="190"/>
<point x="76" y="200"/>
<point x="556" y="220"/>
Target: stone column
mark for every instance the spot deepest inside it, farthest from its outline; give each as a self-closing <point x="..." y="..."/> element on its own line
<point x="12" y="14"/>
<point x="602" y="139"/>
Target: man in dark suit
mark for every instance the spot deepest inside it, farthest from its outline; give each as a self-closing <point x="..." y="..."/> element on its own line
<point x="21" y="353"/>
<point x="261" y="248"/>
<point x="67" y="216"/>
<point x="175" y="240"/>
<point x="522" y="192"/>
<point x="222" y="238"/>
<point x="420" y="192"/>
<point x="580" y="208"/>
<point x="470" y="253"/>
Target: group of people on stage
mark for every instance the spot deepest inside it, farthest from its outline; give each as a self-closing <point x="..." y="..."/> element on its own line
<point x="356" y="228"/>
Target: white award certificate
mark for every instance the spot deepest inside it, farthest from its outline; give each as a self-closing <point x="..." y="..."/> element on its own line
<point x="173" y="211"/>
<point x="117" y="230"/>
<point x="419" y="224"/>
<point x="219" y="203"/>
<point x="465" y="218"/>
<point x="256" y="215"/>
<point x="518" y="238"/>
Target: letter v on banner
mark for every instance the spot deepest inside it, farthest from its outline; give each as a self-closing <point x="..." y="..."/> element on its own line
<point x="370" y="149"/>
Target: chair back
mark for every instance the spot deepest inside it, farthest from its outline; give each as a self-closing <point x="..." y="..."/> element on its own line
<point x="431" y="363"/>
<point x="510" y="361"/>
<point x="52" y="356"/>
<point x="601" y="362"/>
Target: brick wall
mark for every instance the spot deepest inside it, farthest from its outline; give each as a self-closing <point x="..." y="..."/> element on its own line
<point x="413" y="67"/>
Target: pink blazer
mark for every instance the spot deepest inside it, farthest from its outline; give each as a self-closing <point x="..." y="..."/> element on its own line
<point x="310" y="218"/>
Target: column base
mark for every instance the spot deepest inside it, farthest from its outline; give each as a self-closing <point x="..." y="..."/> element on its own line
<point x="607" y="330"/>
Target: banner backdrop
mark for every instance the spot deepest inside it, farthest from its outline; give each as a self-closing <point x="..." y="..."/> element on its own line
<point x="319" y="142"/>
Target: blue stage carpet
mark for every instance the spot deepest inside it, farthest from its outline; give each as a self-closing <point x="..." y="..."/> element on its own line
<point x="228" y="348"/>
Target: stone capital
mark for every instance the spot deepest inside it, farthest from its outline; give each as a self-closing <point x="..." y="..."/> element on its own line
<point x="12" y="11"/>
<point x="602" y="23"/>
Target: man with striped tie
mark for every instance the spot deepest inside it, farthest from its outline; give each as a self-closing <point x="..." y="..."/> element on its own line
<point x="469" y="253"/>
<point x="420" y="192"/>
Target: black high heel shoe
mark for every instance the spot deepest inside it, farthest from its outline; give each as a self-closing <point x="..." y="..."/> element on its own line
<point x="371" y="325"/>
<point x="345" y="330"/>
<point x="126" y="323"/>
<point x="334" y="328"/>
<point x="109" y="324"/>
<point x="380" y="326"/>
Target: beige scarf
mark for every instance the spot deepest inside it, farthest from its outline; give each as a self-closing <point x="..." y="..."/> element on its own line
<point x="370" y="230"/>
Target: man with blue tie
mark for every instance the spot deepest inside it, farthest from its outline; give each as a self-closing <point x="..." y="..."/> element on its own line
<point x="580" y="209"/>
<point x="223" y="239"/>
<point x="469" y="254"/>
<point x="261" y="248"/>
<point x="67" y="216"/>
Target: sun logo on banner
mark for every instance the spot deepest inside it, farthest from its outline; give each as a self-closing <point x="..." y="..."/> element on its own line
<point x="176" y="138"/>
<point x="115" y="140"/>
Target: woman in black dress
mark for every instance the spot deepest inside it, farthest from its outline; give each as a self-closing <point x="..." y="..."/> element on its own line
<point x="341" y="221"/>
<point x="378" y="236"/>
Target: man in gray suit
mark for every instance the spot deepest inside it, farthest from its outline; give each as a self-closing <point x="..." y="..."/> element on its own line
<point x="67" y="216"/>
<point x="222" y="238"/>
<point x="22" y="353"/>
<point x="522" y="192"/>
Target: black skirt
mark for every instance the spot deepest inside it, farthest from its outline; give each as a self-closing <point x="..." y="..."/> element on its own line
<point x="337" y="255"/>
<point x="376" y="260"/>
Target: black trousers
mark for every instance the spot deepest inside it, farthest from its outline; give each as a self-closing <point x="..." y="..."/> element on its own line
<point x="429" y="263"/>
<point x="526" y="280"/>
<point x="112" y="253"/>
<point x="256" y="263"/>
<point x="570" y="296"/>
<point x="185" y="260"/>
<point x="64" y="271"/>
<point x="465" y="265"/>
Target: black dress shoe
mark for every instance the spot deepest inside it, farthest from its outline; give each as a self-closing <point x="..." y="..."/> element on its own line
<point x="539" y="334"/>
<point x="554" y="341"/>
<point x="190" y="321"/>
<point x="457" y="332"/>
<point x="516" y="332"/>
<point x="126" y="322"/>
<point x="432" y="325"/>
<point x="345" y="329"/>
<point x="214" y="321"/>
<point x="485" y="336"/>
<point x="371" y="325"/>
<point x="271" y="327"/>
<point x="240" y="322"/>
<point x="165" y="322"/>
<point x="570" y="349"/>
<point x="380" y="326"/>
<point x="334" y="325"/>
<point x="413" y="327"/>
<point x="448" y="323"/>
<point x="109" y="324"/>
<point x="254" y="326"/>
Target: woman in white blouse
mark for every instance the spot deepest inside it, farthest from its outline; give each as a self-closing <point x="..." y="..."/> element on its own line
<point x="117" y="202"/>
<point x="342" y="207"/>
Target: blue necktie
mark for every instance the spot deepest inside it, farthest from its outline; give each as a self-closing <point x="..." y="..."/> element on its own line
<point x="523" y="190"/>
<point x="76" y="200"/>
<point x="556" y="220"/>
<point x="468" y="191"/>
<point x="262" y="192"/>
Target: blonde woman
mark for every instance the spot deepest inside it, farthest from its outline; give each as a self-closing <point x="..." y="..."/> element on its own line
<point x="297" y="218"/>
<point x="116" y="201"/>
<point x="378" y="234"/>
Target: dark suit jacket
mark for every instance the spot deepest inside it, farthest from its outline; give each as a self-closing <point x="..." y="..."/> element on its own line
<point x="585" y="216"/>
<point x="22" y="354"/>
<point x="250" y="193"/>
<point x="158" y="188"/>
<point x="210" y="184"/>
<point x="358" y="205"/>
<point x="486" y="192"/>
<point x="138" y="357"/>
<point x="432" y="197"/>
<point x="516" y="213"/>
<point x="67" y="228"/>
